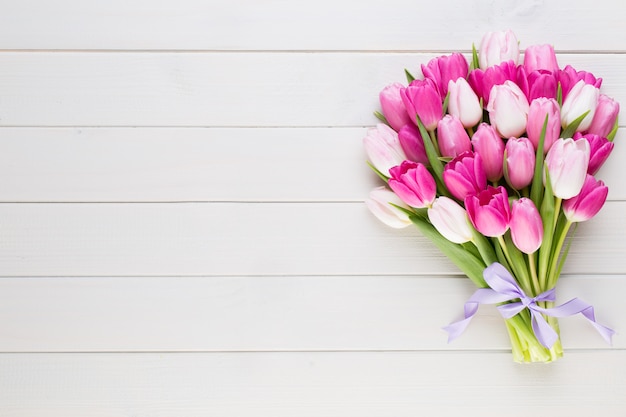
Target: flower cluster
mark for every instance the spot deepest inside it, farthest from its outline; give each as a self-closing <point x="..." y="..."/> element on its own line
<point x="494" y="161"/>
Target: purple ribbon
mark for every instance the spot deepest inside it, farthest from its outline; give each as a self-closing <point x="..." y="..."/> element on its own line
<point x="503" y="287"/>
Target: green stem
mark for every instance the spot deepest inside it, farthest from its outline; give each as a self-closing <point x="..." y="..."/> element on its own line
<point x="533" y="273"/>
<point x="470" y="131"/>
<point x="552" y="278"/>
<point x="557" y="209"/>
<point x="433" y="138"/>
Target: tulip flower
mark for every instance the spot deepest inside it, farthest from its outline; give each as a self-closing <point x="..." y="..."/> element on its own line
<point x="483" y="81"/>
<point x="568" y="77"/>
<point x="421" y="98"/>
<point x="465" y="175"/>
<point x="444" y="69"/>
<point x="508" y="109"/>
<point x="450" y="219"/>
<point x="540" y="57"/>
<point x="489" y="211"/>
<point x="452" y="137"/>
<point x="413" y="184"/>
<point x="539" y="109"/>
<point x="567" y="163"/>
<point x="413" y="144"/>
<point x="383" y="148"/>
<point x="520" y="162"/>
<point x="526" y="225"/>
<point x="490" y="146"/>
<point x="599" y="150"/>
<point x="497" y="47"/>
<point x="541" y="83"/>
<point x="588" y="202"/>
<point x="582" y="98"/>
<point x="605" y="117"/>
<point x="463" y="103"/>
<point x="392" y="106"/>
<point x="380" y="203"/>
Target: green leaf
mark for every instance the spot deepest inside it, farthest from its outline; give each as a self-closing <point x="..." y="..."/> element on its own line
<point x="559" y="94"/>
<point x="445" y="103"/>
<point x="484" y="247"/>
<point x="571" y="128"/>
<point x="433" y="158"/>
<point x="564" y="255"/>
<point x="613" y="131"/>
<point x="537" y="184"/>
<point x="475" y="61"/>
<point x="519" y="264"/>
<point x="547" y="216"/>
<point x="380" y="174"/>
<point x="409" y="77"/>
<point x="381" y="117"/>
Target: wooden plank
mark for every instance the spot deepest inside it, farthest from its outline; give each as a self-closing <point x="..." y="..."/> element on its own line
<point x="198" y="239"/>
<point x="218" y="89"/>
<point x="279" y="25"/>
<point x="339" y="313"/>
<point x="367" y="384"/>
<point x="198" y="164"/>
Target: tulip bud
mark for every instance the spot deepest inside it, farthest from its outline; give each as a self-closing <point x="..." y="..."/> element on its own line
<point x="380" y="204"/>
<point x="599" y="150"/>
<point x="383" y="148"/>
<point x="450" y="219"/>
<point x="526" y="225"/>
<point x="413" y="144"/>
<point x="538" y="110"/>
<point x="421" y="98"/>
<point x="541" y="83"/>
<point x="463" y="103"/>
<point x="392" y="106"/>
<point x="508" y="109"/>
<point x="452" y="137"/>
<point x="490" y="146"/>
<point x="540" y="57"/>
<point x="588" y="202"/>
<point x="444" y="69"/>
<point x="413" y="184"/>
<point x="489" y="211"/>
<point x="567" y="163"/>
<point x="465" y="175"/>
<point x="520" y="162"/>
<point x="568" y="77"/>
<point x="582" y="98"/>
<point x="605" y="117"/>
<point x="497" y="47"/>
<point x="483" y="81"/>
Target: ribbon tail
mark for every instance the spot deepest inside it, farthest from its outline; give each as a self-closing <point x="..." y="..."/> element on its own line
<point x="545" y="334"/>
<point x="457" y="328"/>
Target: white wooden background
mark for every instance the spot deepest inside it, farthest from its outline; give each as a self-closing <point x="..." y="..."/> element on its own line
<point x="182" y="227"/>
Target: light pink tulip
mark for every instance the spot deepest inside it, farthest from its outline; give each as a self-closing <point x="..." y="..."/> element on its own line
<point x="450" y="219"/>
<point x="392" y="106"/>
<point x="526" y="225"/>
<point x="540" y="57"/>
<point x="383" y="148"/>
<point x="421" y="98"/>
<point x="452" y="137"/>
<point x="567" y="163"/>
<point x="605" y="117"/>
<point x="465" y="175"/>
<point x="413" y="184"/>
<point x="582" y="98"/>
<point x="599" y="150"/>
<point x="490" y="146"/>
<point x="489" y="211"/>
<point x="444" y="69"/>
<point x="588" y="202"/>
<point x="463" y="103"/>
<point x="380" y="204"/>
<point x="508" y="109"/>
<point x="413" y="144"/>
<point x="520" y="162"/>
<point x="568" y="77"/>
<point x="497" y="47"/>
<point x="539" y="109"/>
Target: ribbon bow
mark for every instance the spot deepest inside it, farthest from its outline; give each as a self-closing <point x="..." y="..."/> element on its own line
<point x="503" y="287"/>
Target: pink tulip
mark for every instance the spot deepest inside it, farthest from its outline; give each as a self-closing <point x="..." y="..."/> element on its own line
<point x="539" y="109"/>
<point x="497" y="47"/>
<point x="383" y="148"/>
<point x="465" y="175"/>
<point x="588" y="202"/>
<point x="605" y="117"/>
<point x="444" y="69"/>
<point x="450" y="220"/>
<point x="490" y="146"/>
<point x="541" y="83"/>
<point x="540" y="57"/>
<point x="567" y="163"/>
<point x="483" y="81"/>
<point x="413" y="144"/>
<point x="392" y="106"/>
<point x="489" y="211"/>
<point x="421" y="98"/>
<point x="452" y="137"/>
<point x="463" y="103"/>
<point x="599" y="150"/>
<point x="526" y="225"/>
<point x="413" y="184"/>
<point x="582" y="98"/>
<point x="381" y="202"/>
<point x="568" y="77"/>
<point x="508" y="109"/>
<point x="520" y="162"/>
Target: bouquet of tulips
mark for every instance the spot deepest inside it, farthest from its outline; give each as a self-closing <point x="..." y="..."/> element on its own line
<point x="494" y="162"/>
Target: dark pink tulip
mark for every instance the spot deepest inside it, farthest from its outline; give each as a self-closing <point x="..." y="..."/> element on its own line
<point x="541" y="83"/>
<point x="588" y="202"/>
<point x="490" y="146"/>
<point x="540" y="57"/>
<point x="452" y="137"/>
<point x="599" y="150"/>
<point x="568" y="77"/>
<point x="444" y="69"/>
<point x="413" y="144"/>
<point x="605" y="117"/>
<point x="497" y="47"/>
<point x="465" y="175"/>
<point x="520" y="162"/>
<point x="482" y="81"/>
<point x="421" y="98"/>
<point x="413" y="184"/>
<point x="489" y="211"/>
<point x="526" y="225"/>
<point x="392" y="106"/>
<point x="537" y="112"/>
